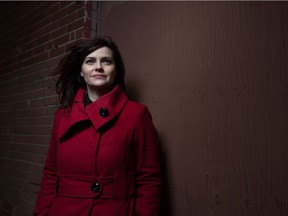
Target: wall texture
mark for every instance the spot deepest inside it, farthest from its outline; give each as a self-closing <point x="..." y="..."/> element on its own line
<point x="214" y="75"/>
<point x="34" y="35"/>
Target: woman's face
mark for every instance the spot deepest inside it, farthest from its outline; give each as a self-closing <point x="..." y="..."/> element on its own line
<point x="99" y="69"/>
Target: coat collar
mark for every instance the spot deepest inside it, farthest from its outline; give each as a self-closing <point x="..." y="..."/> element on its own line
<point x="100" y="112"/>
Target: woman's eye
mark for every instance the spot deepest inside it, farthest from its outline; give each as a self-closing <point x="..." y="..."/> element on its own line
<point x="106" y="61"/>
<point x="90" y="61"/>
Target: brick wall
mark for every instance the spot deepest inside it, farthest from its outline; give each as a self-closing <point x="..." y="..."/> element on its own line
<point x="34" y="36"/>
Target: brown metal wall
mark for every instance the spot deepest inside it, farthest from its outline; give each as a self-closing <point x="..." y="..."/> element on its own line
<point x="214" y="75"/>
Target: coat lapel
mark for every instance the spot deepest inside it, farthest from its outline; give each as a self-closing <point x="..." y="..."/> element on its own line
<point x="100" y="112"/>
<point x="110" y="105"/>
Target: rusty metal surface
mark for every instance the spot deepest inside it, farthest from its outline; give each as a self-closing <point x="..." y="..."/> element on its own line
<point x="214" y="75"/>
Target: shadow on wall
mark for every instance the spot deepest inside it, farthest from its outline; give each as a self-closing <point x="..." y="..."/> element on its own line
<point x="132" y="91"/>
<point x="166" y="204"/>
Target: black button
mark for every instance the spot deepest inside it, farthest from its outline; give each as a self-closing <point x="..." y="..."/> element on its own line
<point x="104" y="112"/>
<point x="95" y="187"/>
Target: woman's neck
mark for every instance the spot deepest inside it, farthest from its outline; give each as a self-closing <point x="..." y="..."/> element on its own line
<point x="95" y="94"/>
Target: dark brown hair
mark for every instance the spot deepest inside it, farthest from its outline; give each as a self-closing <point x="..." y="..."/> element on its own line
<point x="69" y="68"/>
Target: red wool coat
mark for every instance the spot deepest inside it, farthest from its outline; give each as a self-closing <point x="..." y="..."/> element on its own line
<point x="102" y="160"/>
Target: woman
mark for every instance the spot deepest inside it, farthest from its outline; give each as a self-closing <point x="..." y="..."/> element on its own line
<point x="103" y="154"/>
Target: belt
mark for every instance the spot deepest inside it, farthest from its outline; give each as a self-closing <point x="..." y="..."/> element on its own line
<point x="93" y="187"/>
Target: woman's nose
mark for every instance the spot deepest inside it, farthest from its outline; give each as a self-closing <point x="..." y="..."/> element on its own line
<point x="98" y="66"/>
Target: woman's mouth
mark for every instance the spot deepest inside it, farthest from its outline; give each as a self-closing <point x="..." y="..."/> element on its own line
<point x="99" y="76"/>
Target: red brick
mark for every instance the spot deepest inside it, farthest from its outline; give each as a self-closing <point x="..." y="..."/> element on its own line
<point x="45" y="65"/>
<point x="65" y="4"/>
<point x="61" y="40"/>
<point x="19" y="165"/>
<point x="36" y="149"/>
<point x="17" y="173"/>
<point x="76" y="6"/>
<point x="49" y="81"/>
<point x="52" y="26"/>
<point x="8" y="87"/>
<point x="38" y="111"/>
<point x="88" y="23"/>
<point x="27" y="62"/>
<point x="44" y="22"/>
<point x="25" y="55"/>
<point x="79" y="34"/>
<point x="23" y="96"/>
<point x="39" y="49"/>
<point x="47" y="74"/>
<point x="29" y="186"/>
<point x="87" y="33"/>
<point x="71" y="43"/>
<point x="5" y="107"/>
<point x="58" y="15"/>
<point x="20" y="105"/>
<point x="75" y="25"/>
<point x="39" y="93"/>
<point x="36" y="42"/>
<point x="58" y="32"/>
<point x="29" y="78"/>
<point x="50" y="110"/>
<point x="32" y="139"/>
<point x="36" y="103"/>
<point x="27" y="212"/>
<point x="57" y="51"/>
<point x="29" y="157"/>
<point x="37" y="130"/>
<point x="41" y="57"/>
<point x="80" y="13"/>
<point x="4" y="153"/>
<point x="64" y="20"/>
<point x="72" y="35"/>
<point x="44" y="6"/>
<point x="6" y="138"/>
<point x="7" y="207"/>
<point x="48" y="101"/>
<point x="27" y="91"/>
<point x="51" y="91"/>
<point x="8" y="61"/>
<point x="3" y="130"/>
<point x="36" y="84"/>
<point x="25" y="71"/>
<point x="47" y="120"/>
<point x="5" y="121"/>
<point x="25" y="121"/>
<point x="54" y="8"/>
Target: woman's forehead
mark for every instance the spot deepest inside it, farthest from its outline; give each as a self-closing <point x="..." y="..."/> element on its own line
<point x="101" y="52"/>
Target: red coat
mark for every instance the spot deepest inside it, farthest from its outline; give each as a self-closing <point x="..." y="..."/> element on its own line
<point x="102" y="160"/>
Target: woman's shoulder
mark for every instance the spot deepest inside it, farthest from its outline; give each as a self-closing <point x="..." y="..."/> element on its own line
<point x="134" y="112"/>
<point x="136" y="107"/>
<point x="61" y="111"/>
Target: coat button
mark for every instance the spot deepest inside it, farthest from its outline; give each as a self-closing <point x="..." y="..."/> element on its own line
<point x="104" y="112"/>
<point x="95" y="187"/>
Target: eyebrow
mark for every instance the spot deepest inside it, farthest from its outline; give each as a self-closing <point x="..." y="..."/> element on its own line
<point x="90" y="57"/>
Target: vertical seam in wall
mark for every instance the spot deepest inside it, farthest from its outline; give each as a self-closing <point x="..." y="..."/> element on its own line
<point x="94" y="23"/>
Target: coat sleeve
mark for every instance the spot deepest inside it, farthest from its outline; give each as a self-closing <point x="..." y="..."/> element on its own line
<point x="148" y="179"/>
<point x="48" y="185"/>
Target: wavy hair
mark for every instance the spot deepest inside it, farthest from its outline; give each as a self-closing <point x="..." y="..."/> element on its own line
<point x="69" y="68"/>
